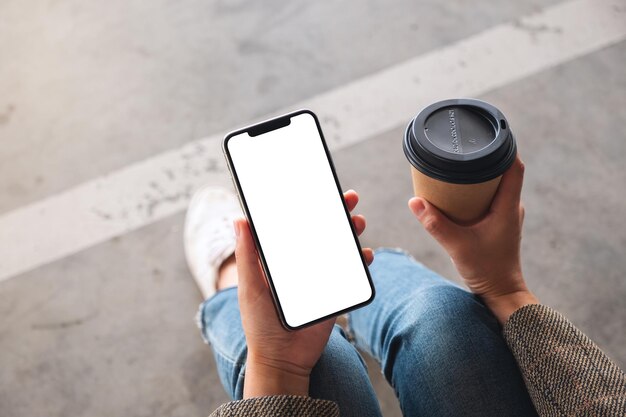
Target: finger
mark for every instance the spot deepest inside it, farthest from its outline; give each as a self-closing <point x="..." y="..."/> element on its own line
<point x="436" y="223"/>
<point x="359" y="223"/>
<point x="507" y="197"/>
<point x="251" y="278"/>
<point x="368" y="254"/>
<point x="352" y="198"/>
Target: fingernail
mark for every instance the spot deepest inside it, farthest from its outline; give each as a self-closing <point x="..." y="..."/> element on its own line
<point x="236" y="226"/>
<point x="418" y="207"/>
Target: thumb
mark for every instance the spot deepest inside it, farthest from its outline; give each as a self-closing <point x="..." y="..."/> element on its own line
<point x="435" y="222"/>
<point x="251" y="279"/>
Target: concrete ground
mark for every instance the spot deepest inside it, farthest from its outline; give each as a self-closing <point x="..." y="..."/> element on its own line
<point x="87" y="88"/>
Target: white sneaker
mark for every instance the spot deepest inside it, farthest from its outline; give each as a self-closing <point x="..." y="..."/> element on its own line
<point x="209" y="234"/>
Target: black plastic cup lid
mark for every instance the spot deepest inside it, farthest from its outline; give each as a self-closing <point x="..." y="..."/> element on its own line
<point x="463" y="141"/>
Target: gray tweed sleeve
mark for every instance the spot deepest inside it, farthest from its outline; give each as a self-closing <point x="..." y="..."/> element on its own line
<point x="278" y="406"/>
<point x="566" y="374"/>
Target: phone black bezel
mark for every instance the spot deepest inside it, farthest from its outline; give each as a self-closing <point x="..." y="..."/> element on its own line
<point x="272" y="124"/>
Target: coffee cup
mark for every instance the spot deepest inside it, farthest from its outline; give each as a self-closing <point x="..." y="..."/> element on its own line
<point x="458" y="150"/>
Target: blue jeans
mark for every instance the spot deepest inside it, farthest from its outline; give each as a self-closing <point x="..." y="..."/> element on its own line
<point x="438" y="346"/>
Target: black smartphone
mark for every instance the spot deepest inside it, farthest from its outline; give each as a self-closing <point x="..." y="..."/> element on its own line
<point x="290" y="194"/>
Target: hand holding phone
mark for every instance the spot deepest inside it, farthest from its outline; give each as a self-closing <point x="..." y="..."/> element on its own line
<point x="279" y="361"/>
<point x="309" y="253"/>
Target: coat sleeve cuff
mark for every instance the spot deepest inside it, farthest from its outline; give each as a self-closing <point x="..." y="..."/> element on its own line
<point x="278" y="406"/>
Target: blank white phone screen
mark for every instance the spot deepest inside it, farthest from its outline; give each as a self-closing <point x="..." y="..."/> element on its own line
<point x="303" y="230"/>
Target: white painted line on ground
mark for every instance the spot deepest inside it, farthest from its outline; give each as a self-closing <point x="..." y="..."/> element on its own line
<point x="149" y="190"/>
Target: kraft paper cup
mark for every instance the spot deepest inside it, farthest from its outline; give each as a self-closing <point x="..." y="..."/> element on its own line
<point x="458" y="150"/>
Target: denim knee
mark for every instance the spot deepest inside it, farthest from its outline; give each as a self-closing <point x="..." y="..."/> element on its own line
<point x="434" y="324"/>
<point x="447" y="343"/>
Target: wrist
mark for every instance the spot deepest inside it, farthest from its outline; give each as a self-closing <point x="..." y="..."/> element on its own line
<point x="264" y="379"/>
<point x="503" y="305"/>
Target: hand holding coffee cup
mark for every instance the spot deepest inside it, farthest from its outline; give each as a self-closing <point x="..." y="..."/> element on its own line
<point x="464" y="164"/>
<point x="458" y="150"/>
